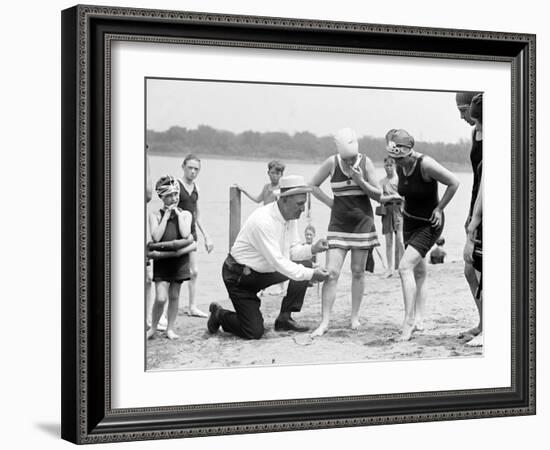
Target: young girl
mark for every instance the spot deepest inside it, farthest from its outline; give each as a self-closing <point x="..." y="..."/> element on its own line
<point x="168" y="224"/>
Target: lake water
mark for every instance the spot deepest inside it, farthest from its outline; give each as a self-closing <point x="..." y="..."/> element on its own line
<point x="216" y="177"/>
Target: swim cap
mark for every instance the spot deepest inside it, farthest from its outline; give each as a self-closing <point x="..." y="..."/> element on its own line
<point x="167" y="185"/>
<point x="389" y="133"/>
<point x="400" y="144"/>
<point x="476" y="107"/>
<point x="464" y="98"/>
<point x="346" y="142"/>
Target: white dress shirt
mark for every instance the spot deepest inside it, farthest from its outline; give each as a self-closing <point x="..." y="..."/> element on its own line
<point x="269" y="243"/>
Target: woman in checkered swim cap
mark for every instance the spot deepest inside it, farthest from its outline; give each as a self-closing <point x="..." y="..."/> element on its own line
<point x="419" y="178"/>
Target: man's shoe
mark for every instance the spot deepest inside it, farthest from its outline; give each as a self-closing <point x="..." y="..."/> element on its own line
<point x="289" y="325"/>
<point x="213" y="323"/>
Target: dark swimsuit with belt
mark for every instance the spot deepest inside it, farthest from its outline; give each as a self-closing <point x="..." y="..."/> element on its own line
<point x="421" y="198"/>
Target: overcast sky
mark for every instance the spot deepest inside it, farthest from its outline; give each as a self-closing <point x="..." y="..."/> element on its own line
<point x="238" y="107"/>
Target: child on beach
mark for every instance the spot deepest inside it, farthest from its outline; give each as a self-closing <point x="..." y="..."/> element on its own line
<point x="168" y="224"/>
<point x="438" y="254"/>
<point x="270" y="191"/>
<point x="392" y="215"/>
<point x="189" y="201"/>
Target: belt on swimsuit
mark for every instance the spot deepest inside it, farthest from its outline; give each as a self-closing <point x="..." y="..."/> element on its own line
<point x="411" y="216"/>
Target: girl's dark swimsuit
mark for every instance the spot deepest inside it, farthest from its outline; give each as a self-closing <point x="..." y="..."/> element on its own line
<point x="171" y="269"/>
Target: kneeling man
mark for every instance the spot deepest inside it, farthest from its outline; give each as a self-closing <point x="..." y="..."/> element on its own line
<point x="263" y="254"/>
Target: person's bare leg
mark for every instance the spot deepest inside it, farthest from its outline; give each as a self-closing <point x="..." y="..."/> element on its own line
<point x="335" y="259"/>
<point x="410" y="259"/>
<point x="389" y="254"/>
<point x="193" y="310"/>
<point x="473" y="283"/>
<point x="399" y="246"/>
<point x="477" y="341"/>
<point x="358" y="261"/>
<point x="173" y="306"/>
<point x="148" y="302"/>
<point x="161" y="297"/>
<point x="420" y="273"/>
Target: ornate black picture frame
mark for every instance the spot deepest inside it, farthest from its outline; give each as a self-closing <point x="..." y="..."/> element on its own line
<point x="87" y="35"/>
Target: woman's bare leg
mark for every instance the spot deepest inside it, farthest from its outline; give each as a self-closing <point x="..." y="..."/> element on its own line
<point x="358" y="261"/>
<point x="399" y="246"/>
<point x="335" y="259"/>
<point x="477" y="341"/>
<point x="420" y="272"/>
<point x="473" y="283"/>
<point x="407" y="264"/>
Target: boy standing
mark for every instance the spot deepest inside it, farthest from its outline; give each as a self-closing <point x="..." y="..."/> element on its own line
<point x="270" y="192"/>
<point x="188" y="201"/>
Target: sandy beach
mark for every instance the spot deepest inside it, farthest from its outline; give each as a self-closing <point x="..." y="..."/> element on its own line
<point x="450" y="310"/>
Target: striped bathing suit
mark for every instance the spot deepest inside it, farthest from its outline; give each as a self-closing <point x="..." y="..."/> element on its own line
<point x="351" y="218"/>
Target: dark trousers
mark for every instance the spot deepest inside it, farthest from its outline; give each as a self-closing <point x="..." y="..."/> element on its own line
<point x="243" y="285"/>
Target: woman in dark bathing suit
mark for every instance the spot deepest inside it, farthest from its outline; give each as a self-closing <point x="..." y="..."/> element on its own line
<point x="423" y="220"/>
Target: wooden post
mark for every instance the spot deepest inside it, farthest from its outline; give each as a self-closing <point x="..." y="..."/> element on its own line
<point x="234" y="214"/>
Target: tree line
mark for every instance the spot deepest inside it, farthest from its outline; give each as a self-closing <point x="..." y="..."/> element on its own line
<point x="305" y="146"/>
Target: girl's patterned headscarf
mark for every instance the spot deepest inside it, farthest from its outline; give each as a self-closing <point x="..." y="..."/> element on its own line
<point x="167" y="185"/>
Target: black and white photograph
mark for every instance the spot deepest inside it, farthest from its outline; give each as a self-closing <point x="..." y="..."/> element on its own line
<point x="293" y="224"/>
<point x="282" y="223"/>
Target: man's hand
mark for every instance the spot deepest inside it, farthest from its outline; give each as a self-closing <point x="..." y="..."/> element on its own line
<point x="319" y="274"/>
<point x="320" y="246"/>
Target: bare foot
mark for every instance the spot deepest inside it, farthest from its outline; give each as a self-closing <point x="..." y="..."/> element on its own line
<point x="151" y="333"/>
<point x="407" y="332"/>
<point x="419" y="326"/>
<point x="475" y="342"/>
<point x="469" y="334"/>
<point x="163" y="323"/>
<point x="196" y="312"/>
<point x="171" y="335"/>
<point x="355" y="324"/>
<point x="388" y="274"/>
<point x="320" y="330"/>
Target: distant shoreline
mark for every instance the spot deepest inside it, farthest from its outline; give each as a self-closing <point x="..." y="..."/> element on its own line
<point x="451" y="166"/>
